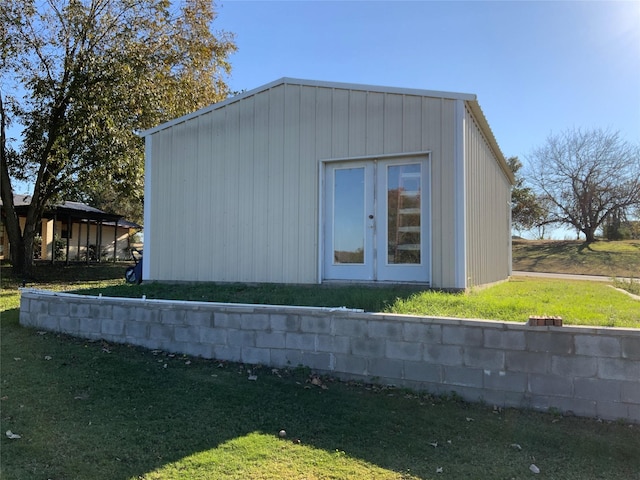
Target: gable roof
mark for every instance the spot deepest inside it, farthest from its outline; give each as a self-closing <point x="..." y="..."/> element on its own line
<point x="469" y="98"/>
<point x="76" y="210"/>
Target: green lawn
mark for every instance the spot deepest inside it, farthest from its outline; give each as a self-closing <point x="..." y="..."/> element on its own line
<point x="92" y="410"/>
<point x="87" y="410"/>
<point x="611" y="259"/>
<point x="577" y="302"/>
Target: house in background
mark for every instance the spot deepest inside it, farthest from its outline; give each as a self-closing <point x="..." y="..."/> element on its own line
<point x="84" y="233"/>
<point x="306" y="182"/>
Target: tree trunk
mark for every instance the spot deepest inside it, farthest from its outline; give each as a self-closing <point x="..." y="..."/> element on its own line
<point x="590" y="234"/>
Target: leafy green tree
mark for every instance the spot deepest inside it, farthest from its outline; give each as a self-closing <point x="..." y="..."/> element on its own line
<point x="587" y="176"/>
<point x="80" y="78"/>
<point x="527" y="209"/>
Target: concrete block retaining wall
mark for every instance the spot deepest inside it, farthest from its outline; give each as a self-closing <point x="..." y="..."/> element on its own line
<point x="592" y="372"/>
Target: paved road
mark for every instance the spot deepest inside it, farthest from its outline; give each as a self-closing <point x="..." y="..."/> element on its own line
<point x="564" y="276"/>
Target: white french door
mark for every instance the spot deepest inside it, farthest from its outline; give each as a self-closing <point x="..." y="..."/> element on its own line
<point x="376" y="220"/>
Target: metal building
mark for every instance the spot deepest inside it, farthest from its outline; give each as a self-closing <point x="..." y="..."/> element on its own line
<point x="304" y="181"/>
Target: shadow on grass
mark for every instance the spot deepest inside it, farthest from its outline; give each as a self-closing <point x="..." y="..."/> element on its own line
<point x="94" y="410"/>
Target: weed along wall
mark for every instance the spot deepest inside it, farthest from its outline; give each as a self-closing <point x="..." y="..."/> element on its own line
<point x="589" y="371"/>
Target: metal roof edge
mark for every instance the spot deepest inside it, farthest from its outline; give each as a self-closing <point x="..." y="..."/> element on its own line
<point x="310" y="83"/>
<point x="478" y="114"/>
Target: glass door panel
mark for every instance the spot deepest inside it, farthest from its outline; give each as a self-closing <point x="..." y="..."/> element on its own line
<point x="349" y="221"/>
<point x="349" y="216"/>
<point x="404" y="213"/>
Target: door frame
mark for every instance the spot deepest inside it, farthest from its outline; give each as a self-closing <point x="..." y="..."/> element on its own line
<point x="424" y="156"/>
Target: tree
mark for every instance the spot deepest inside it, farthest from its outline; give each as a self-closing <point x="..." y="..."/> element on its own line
<point x="587" y="176"/>
<point x="527" y="209"/>
<point x="80" y="77"/>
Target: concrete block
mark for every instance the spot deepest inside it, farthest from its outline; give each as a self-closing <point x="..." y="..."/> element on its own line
<point x="403" y="350"/>
<point x="458" y="335"/>
<point x="422" y="372"/>
<point x="186" y="334"/>
<point x="172" y="316"/>
<point x="255" y="356"/>
<point x="284" y="323"/>
<point x="146" y="314"/>
<point x="38" y="306"/>
<point x="386" y="368"/>
<point x="227" y="320"/>
<point x="443" y="354"/>
<point x="27" y="319"/>
<point x="618" y="369"/>
<point x="385" y="329"/>
<point x="112" y="327"/>
<point x="463" y="376"/>
<point x="254" y="321"/>
<point x="79" y="309"/>
<point x="286" y="358"/>
<point x="45" y="321"/>
<point x="317" y="361"/>
<point x="630" y="392"/>
<point x="124" y="312"/>
<point x="504" y="398"/>
<point x="241" y="338"/>
<point x="213" y="336"/>
<point x="634" y="412"/>
<point x="136" y="329"/>
<point x="333" y="344"/>
<point x="612" y="410"/>
<point x="270" y="339"/>
<point x="597" y="390"/>
<point x="368" y="347"/>
<point x="200" y="318"/>
<point x="69" y="324"/>
<point x="426" y="333"/>
<point x="579" y="406"/>
<point x="537" y="362"/>
<point x="556" y="342"/>
<point x="228" y="353"/>
<point x="161" y="333"/>
<point x="574" y="366"/>
<point x="315" y="324"/>
<point x="194" y="349"/>
<point x="59" y="307"/>
<point x="350" y="364"/>
<point x="631" y="347"/>
<point x="90" y="325"/>
<point x="485" y="358"/>
<point x="505" y="339"/>
<point x="350" y="327"/>
<point x="101" y="310"/>
<point x="505" y="381"/>
<point x="300" y="341"/>
<point x="597" y="346"/>
<point x="550" y="385"/>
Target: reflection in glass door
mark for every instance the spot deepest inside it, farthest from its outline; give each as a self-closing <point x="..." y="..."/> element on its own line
<point x="348" y="218"/>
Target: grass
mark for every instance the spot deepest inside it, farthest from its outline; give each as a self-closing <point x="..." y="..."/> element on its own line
<point x="611" y="259"/>
<point x="87" y="410"/>
<point x="577" y="302"/>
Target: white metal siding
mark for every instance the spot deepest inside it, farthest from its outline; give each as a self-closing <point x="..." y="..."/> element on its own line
<point x="488" y="210"/>
<point x="235" y="188"/>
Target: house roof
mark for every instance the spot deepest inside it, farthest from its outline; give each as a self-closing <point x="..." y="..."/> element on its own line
<point x="470" y="99"/>
<point x="75" y="210"/>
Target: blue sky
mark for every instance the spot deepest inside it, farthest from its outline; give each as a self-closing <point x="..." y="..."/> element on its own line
<point x="536" y="67"/>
